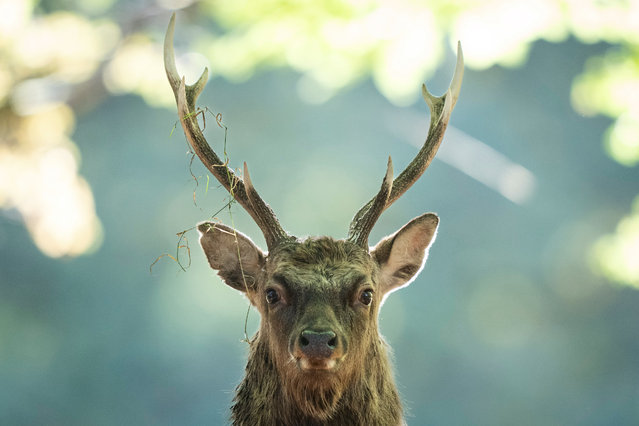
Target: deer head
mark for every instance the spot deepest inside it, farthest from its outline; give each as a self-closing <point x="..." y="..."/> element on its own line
<point x="318" y="355"/>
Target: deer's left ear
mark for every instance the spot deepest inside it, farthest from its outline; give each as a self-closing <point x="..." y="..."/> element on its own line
<point x="401" y="256"/>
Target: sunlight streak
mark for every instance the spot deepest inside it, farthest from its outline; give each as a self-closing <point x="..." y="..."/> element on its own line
<point x="472" y="157"/>
<point x="488" y="166"/>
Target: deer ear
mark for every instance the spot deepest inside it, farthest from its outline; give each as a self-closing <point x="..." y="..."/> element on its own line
<point x="221" y="245"/>
<point x="401" y="256"/>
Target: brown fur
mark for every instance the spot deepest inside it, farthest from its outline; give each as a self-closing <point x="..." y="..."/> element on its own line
<point x="320" y="281"/>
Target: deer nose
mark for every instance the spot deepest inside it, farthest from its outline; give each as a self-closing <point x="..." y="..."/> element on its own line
<point x="318" y="344"/>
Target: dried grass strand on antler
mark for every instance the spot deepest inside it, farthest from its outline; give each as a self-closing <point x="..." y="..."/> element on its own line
<point x="243" y="192"/>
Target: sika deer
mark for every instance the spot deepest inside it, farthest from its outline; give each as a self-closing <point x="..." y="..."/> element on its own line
<point x="318" y="358"/>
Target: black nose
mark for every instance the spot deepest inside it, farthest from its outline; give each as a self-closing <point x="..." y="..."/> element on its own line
<point x="317" y="344"/>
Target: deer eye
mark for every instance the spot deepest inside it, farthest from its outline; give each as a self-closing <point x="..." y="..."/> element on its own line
<point x="366" y="297"/>
<point x="272" y="296"/>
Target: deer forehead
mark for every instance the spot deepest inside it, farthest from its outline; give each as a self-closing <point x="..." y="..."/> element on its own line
<point x="322" y="264"/>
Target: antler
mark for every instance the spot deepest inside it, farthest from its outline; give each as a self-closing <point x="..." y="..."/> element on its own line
<point x="440" y="109"/>
<point x="242" y="190"/>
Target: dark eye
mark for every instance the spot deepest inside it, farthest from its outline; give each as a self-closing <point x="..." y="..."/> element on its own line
<point x="272" y="296"/>
<point x="366" y="297"/>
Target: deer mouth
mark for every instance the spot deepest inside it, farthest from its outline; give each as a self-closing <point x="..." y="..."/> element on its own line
<point x="316" y="364"/>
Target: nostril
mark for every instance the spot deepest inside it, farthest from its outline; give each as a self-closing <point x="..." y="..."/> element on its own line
<point x="332" y="343"/>
<point x="304" y="341"/>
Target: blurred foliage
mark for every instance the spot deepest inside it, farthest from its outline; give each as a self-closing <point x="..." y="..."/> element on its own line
<point x="44" y="56"/>
<point x="55" y="52"/>
<point x="610" y="86"/>
<point x="617" y="255"/>
<point x="507" y="322"/>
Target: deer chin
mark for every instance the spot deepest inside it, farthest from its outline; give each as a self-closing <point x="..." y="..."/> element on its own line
<point x="315" y="387"/>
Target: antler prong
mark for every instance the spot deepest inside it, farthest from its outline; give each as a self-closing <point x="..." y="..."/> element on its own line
<point x="169" y="55"/>
<point x="248" y="184"/>
<point x="458" y="76"/>
<point x="430" y="99"/>
<point x="192" y="91"/>
<point x="365" y="219"/>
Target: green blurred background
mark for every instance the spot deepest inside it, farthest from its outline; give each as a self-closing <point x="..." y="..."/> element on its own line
<point x="528" y="310"/>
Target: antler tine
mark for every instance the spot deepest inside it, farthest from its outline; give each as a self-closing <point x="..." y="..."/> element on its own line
<point x="440" y="109"/>
<point x="243" y="192"/>
<point x="264" y="212"/>
<point x="192" y="91"/>
<point x="364" y="220"/>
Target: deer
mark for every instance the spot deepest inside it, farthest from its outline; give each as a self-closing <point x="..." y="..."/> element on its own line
<point x="318" y="357"/>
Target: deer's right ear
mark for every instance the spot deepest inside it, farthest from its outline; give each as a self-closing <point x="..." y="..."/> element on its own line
<point x="222" y="245"/>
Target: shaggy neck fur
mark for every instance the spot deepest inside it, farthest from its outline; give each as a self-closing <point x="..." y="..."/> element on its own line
<point x="369" y="399"/>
